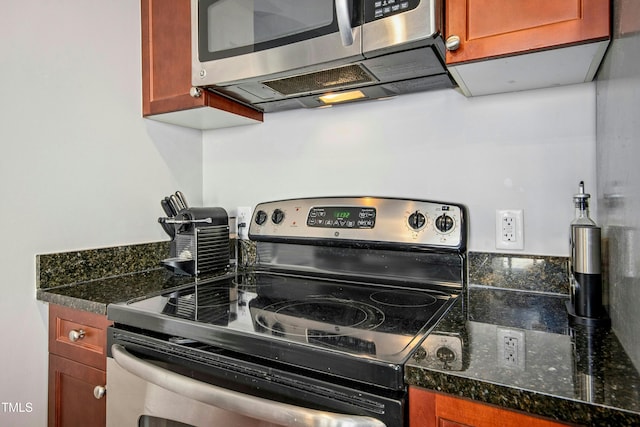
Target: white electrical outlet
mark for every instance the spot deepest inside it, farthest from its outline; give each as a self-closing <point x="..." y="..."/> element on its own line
<point x="243" y="219"/>
<point x="509" y="229"/>
<point x="511" y="348"/>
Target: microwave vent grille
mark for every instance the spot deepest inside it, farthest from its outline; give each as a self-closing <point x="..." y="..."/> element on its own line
<point x="322" y="80"/>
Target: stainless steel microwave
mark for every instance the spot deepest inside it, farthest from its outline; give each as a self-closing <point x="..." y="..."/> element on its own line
<point x="282" y="54"/>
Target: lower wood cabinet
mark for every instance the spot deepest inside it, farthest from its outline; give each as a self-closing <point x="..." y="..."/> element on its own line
<point x="431" y="409"/>
<point x="77" y="368"/>
<point x="71" y="399"/>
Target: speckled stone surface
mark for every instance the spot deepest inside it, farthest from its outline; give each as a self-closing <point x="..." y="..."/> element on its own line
<point x="576" y="375"/>
<point x="95" y="295"/>
<point x="246" y="253"/>
<point x="80" y="266"/>
<point x="524" y="272"/>
<point x="90" y="280"/>
<point x="524" y="293"/>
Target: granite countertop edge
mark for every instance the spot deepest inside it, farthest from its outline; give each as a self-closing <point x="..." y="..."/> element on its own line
<point x="47" y="295"/>
<point x="556" y="408"/>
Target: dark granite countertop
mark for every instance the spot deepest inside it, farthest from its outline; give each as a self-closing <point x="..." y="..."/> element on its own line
<point x="95" y="295"/>
<point x="573" y="374"/>
<point x="91" y="279"/>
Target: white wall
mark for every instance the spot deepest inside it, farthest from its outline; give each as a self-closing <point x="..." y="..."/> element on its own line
<point x="524" y="150"/>
<point x="79" y="167"/>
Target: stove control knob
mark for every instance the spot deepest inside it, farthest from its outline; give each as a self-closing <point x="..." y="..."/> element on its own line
<point x="417" y="220"/>
<point x="261" y="217"/>
<point x="277" y="217"/>
<point x="444" y="223"/>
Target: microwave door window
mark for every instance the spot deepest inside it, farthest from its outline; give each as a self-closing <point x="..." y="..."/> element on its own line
<point x="279" y="19"/>
<point x="236" y="27"/>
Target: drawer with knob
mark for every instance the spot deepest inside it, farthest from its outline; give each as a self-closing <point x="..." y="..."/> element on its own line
<point x="78" y="335"/>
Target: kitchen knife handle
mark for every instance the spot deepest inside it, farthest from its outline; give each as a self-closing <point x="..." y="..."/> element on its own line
<point x="172" y="211"/>
<point x="166" y="207"/>
<point x="174" y="203"/>
<point x="182" y="199"/>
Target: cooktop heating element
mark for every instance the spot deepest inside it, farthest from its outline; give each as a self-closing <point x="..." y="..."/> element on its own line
<point x="344" y="290"/>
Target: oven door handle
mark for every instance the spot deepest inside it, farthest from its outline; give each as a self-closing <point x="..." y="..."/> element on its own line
<point x="232" y="401"/>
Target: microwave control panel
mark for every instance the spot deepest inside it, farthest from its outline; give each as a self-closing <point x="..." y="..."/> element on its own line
<point x="377" y="9"/>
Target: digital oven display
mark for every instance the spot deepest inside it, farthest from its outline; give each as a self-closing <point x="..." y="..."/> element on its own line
<point x="342" y="217"/>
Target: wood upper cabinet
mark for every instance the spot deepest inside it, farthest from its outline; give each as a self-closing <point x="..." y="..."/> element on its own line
<point x="565" y="38"/>
<point x="77" y="365"/>
<point x="430" y="409"/>
<point x="490" y="28"/>
<point x="166" y="73"/>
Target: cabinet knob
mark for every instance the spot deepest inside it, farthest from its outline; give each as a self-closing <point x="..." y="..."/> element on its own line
<point x="452" y="42"/>
<point x="75" y="335"/>
<point x="99" y="391"/>
<point x="195" y="92"/>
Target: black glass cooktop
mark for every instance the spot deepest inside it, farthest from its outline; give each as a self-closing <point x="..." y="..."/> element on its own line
<point x="318" y="323"/>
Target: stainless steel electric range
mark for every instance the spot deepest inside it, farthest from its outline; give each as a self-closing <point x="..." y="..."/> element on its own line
<point x="344" y="289"/>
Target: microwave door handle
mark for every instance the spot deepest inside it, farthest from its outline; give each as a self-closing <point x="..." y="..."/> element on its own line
<point x="239" y="403"/>
<point x="344" y="22"/>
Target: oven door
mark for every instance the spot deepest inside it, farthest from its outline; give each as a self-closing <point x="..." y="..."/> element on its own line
<point x="235" y="40"/>
<point x="151" y="383"/>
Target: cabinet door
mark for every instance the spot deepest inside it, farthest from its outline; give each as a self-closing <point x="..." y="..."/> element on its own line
<point x="429" y="409"/>
<point x="493" y="28"/>
<point x="166" y="63"/>
<point x="71" y="399"/>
